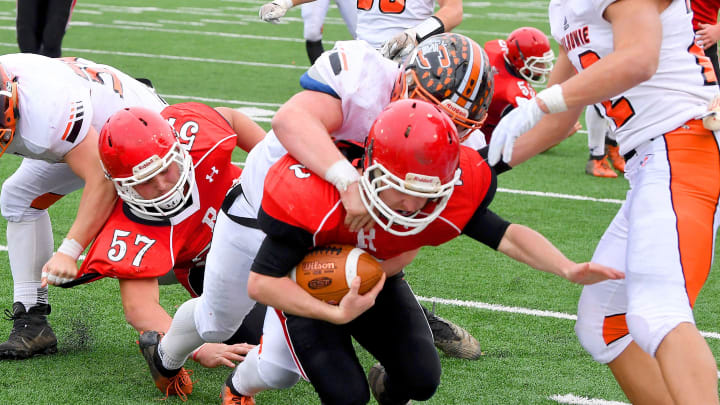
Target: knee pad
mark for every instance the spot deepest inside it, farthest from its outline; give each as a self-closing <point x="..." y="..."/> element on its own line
<point x="14" y="204"/>
<point x="603" y="337"/>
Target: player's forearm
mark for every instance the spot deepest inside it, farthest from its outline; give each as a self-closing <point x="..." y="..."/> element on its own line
<point x="285" y="295"/>
<point x="551" y="130"/>
<point x="530" y="247"/>
<point x="96" y="203"/>
<point x="450" y="13"/>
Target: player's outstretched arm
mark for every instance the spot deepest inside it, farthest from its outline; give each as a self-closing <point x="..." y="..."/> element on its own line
<point x="141" y="304"/>
<point x="530" y="247"/>
<point x="96" y="202"/>
<point x="248" y="131"/>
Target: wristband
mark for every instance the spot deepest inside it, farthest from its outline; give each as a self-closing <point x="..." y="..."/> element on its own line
<point x="196" y="352"/>
<point x="428" y="28"/>
<point x="286" y="4"/>
<point x="71" y="248"/>
<point x="342" y="174"/>
<point x="553" y="99"/>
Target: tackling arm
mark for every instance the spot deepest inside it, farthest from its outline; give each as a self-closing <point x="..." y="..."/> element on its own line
<point x="530" y="247"/>
<point x="249" y="133"/>
<point x="96" y="203"/>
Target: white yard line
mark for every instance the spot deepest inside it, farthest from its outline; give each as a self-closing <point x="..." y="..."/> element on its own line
<point x="574" y="399"/>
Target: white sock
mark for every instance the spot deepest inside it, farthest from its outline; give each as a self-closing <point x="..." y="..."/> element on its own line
<point x="30" y="246"/>
<point x="182" y="337"/>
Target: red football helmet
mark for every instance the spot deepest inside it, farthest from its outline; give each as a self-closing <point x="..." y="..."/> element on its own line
<point x="413" y="148"/>
<point x="135" y="145"/>
<point x="9" y="111"/>
<point x="452" y="71"/>
<point x="528" y="51"/>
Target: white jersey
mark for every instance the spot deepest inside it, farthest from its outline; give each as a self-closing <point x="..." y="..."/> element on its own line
<point x="380" y="20"/>
<point x="679" y="90"/>
<point x="60" y="99"/>
<point x="352" y="71"/>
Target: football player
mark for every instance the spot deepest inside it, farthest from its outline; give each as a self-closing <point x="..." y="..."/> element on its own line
<point x="313" y="15"/>
<point x="604" y="150"/>
<point x="338" y="102"/>
<point x="422" y="189"/>
<point x="171" y="171"/>
<point x="389" y="26"/>
<point x="52" y="110"/>
<point x="639" y="61"/>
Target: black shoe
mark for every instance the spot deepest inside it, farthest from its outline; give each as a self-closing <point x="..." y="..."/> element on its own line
<point x="31" y="334"/>
<point x="376" y="380"/>
<point x="451" y="339"/>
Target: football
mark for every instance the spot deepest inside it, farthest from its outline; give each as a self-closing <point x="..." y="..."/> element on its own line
<point x="327" y="271"/>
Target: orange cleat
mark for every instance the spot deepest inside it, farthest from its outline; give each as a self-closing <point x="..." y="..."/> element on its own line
<point x="169" y="382"/>
<point x="231" y="398"/>
<point x="600" y="168"/>
<point x="613" y="153"/>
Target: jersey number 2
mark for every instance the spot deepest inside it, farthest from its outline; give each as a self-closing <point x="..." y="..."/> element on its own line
<point x="620" y="110"/>
<point x="386" y="6"/>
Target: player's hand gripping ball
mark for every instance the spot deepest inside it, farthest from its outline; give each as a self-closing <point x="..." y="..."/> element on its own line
<point x="327" y="271"/>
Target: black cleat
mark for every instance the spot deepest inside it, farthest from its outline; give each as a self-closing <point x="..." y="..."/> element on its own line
<point x="376" y="379"/>
<point x="31" y="334"/>
<point x="451" y="339"/>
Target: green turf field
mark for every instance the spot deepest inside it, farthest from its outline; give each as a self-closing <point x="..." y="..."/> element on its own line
<point x="219" y="52"/>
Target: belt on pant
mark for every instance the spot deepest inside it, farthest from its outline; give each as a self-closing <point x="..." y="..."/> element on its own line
<point x="629" y="155"/>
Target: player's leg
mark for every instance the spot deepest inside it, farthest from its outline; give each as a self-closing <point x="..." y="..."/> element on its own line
<point x="58" y="14"/>
<point x="348" y="12"/>
<point x="29" y="25"/>
<point x="268" y="366"/>
<point x="313" y="15"/>
<point x="24" y="199"/>
<point x="602" y="329"/>
<point x="597" y="164"/>
<point x="673" y="221"/>
<point x="410" y="364"/>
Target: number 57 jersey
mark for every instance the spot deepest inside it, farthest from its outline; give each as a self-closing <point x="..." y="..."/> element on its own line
<point x="130" y="247"/>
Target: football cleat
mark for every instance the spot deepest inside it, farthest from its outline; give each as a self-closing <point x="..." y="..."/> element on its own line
<point x="230" y="396"/>
<point x="169" y="382"/>
<point x="599" y="167"/>
<point x="451" y="339"/>
<point x="31" y="334"/>
<point x="376" y="379"/>
<point x="613" y="153"/>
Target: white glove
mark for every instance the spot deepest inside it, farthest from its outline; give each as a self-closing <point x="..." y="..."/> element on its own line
<point x="399" y="46"/>
<point x="271" y="12"/>
<point x="510" y="127"/>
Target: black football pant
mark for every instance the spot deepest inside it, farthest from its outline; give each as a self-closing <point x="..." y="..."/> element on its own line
<point x="41" y="25"/>
<point x="394" y="331"/>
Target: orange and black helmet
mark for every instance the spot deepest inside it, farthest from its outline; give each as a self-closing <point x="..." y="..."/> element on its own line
<point x="452" y="71"/>
<point x="9" y="112"/>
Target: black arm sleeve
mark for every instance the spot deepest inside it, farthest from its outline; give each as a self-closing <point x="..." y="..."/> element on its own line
<point x="487" y="227"/>
<point x="284" y="247"/>
<point x="500" y="167"/>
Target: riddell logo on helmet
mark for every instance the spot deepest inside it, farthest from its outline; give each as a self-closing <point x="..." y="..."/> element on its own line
<point x="454" y="108"/>
<point x="420" y="182"/>
<point x="147" y="167"/>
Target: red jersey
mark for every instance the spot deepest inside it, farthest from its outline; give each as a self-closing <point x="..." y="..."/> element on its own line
<point x="295" y="196"/>
<point x="704" y="11"/>
<point x="508" y="88"/>
<point x="130" y="247"/>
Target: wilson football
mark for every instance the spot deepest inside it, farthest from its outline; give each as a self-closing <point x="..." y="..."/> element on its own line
<point x="327" y="271"/>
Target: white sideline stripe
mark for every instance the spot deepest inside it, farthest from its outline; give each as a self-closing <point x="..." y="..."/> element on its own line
<point x="173" y="57"/>
<point x="559" y="195"/>
<point x="519" y="310"/>
<point x="574" y="399"/>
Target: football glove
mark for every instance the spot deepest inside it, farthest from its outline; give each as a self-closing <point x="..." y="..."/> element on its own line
<point x="399" y="46"/>
<point x="515" y="123"/>
<point x="271" y="12"/>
